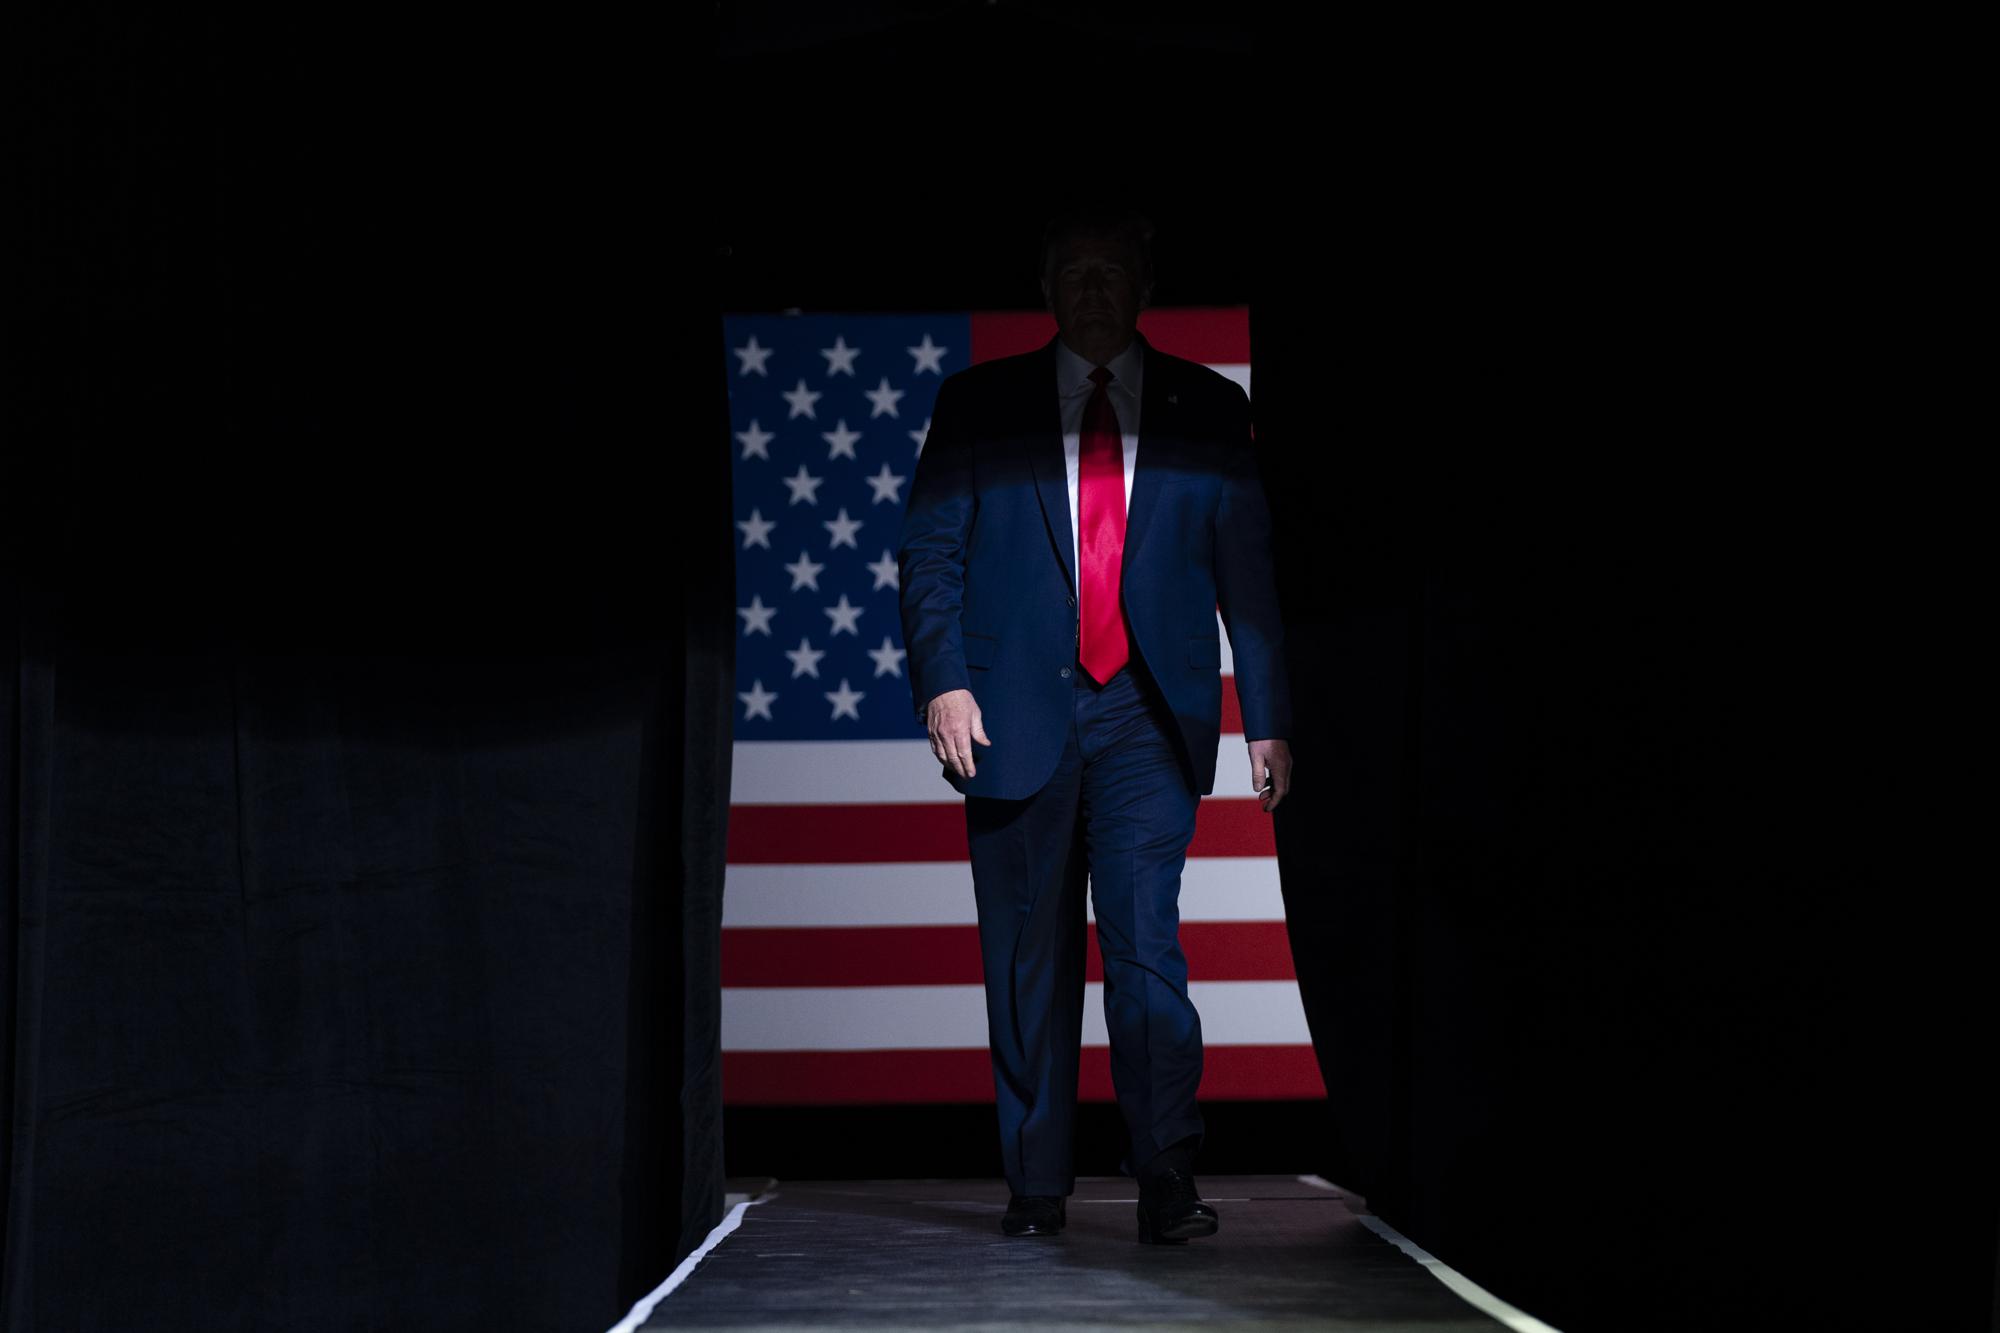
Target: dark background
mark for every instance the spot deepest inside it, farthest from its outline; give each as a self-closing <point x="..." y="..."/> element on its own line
<point x="371" y="707"/>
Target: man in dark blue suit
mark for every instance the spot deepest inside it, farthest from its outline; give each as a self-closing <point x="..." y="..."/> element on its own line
<point x="1079" y="514"/>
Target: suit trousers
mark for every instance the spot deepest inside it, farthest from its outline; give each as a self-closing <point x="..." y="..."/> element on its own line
<point x="1119" y="809"/>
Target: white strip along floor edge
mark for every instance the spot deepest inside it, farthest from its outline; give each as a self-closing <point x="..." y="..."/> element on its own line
<point x="641" y="1312"/>
<point x="1462" y="1286"/>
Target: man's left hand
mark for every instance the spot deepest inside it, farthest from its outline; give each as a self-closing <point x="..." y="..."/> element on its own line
<point x="1270" y="771"/>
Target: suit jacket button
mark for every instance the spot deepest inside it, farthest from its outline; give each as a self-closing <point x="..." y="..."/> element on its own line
<point x="1065" y="673"/>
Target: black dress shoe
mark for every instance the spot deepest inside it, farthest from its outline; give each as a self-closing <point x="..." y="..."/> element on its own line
<point x="1034" y="1215"/>
<point x="1171" y="1209"/>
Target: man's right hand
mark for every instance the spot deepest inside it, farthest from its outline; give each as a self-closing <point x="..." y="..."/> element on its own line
<point x="953" y="718"/>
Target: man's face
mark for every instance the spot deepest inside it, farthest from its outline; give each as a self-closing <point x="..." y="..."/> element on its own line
<point x="1092" y="288"/>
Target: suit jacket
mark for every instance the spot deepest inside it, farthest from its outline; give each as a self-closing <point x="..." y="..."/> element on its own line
<point x="988" y="594"/>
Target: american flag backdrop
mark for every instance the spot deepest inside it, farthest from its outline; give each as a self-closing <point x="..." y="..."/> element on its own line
<point x="850" y="943"/>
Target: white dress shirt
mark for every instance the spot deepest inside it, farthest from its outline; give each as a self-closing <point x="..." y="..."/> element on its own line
<point x="1074" y="387"/>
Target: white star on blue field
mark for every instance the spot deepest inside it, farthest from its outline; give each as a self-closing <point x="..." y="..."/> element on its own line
<point x="827" y="417"/>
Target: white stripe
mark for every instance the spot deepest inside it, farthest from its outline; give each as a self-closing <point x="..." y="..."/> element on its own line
<point x="899" y="772"/>
<point x="836" y="773"/>
<point x="643" y="1311"/>
<point x="1462" y="1286"/>
<point x="939" y="893"/>
<point x="1238" y="371"/>
<point x="881" y="1018"/>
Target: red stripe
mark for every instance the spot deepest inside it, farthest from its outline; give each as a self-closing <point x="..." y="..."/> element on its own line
<point x="1232" y="714"/>
<point x="935" y="831"/>
<point x="999" y="333"/>
<point x="1212" y="335"/>
<point x="949" y="955"/>
<point x="965" y="1074"/>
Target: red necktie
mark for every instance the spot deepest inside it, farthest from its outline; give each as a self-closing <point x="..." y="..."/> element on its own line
<point x="1100" y="502"/>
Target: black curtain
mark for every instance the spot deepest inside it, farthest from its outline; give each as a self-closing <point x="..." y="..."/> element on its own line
<point x="1633" y="744"/>
<point x="367" y="679"/>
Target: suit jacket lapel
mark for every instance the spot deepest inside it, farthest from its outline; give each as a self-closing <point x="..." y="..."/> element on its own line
<point x="1157" y="415"/>
<point x="1045" y="451"/>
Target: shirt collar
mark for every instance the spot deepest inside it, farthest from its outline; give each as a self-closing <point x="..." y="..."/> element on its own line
<point x="1073" y="371"/>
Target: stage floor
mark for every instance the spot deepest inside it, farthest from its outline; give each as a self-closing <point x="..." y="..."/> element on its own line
<point x="1292" y="1252"/>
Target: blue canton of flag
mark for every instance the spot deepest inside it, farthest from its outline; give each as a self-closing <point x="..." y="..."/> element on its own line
<point x="827" y="415"/>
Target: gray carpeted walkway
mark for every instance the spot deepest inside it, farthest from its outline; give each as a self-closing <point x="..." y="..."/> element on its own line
<point x="929" y="1254"/>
